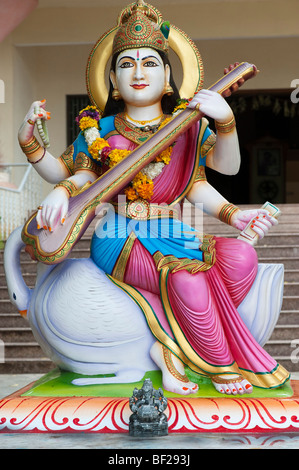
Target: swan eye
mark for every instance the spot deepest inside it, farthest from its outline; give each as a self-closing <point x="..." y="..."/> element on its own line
<point x="14" y="296"/>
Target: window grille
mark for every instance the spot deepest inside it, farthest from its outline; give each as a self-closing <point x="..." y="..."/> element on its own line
<point x="74" y="105"/>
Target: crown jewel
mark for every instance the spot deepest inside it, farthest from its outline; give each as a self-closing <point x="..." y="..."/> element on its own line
<point x="141" y="25"/>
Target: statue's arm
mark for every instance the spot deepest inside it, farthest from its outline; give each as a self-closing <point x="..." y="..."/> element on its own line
<point x="224" y="157"/>
<point x="47" y="166"/>
<point x="214" y="204"/>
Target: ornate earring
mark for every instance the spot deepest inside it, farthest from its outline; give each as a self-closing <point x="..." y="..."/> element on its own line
<point x="116" y="95"/>
<point x="168" y="90"/>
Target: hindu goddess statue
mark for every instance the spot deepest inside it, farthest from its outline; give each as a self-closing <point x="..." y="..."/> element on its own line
<point x="192" y="283"/>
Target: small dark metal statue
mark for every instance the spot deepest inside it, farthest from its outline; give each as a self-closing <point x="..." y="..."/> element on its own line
<point x="147" y="405"/>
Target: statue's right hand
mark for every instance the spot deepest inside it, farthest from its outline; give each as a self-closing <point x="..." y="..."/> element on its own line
<point x="53" y="210"/>
<point x="36" y="111"/>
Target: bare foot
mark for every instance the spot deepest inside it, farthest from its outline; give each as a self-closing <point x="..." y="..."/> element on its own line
<point x="231" y="384"/>
<point x="173" y="372"/>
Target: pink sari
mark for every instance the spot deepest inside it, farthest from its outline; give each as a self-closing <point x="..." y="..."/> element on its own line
<point x="195" y="314"/>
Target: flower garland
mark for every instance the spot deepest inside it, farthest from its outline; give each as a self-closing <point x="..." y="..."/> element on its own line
<point x="142" y="185"/>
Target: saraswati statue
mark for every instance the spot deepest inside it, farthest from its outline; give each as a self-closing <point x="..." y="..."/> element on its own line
<point x="154" y="293"/>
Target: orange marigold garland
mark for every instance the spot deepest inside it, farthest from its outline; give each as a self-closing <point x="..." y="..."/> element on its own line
<point x="142" y="185"/>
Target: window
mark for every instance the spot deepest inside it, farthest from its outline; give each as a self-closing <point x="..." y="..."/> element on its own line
<point x="74" y="105"/>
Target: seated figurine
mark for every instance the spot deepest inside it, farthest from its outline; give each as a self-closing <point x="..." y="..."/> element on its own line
<point x="147" y="406"/>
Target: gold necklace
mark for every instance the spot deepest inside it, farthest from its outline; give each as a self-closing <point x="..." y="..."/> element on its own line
<point x="143" y="122"/>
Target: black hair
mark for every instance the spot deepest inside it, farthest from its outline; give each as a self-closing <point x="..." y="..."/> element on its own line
<point x="168" y="102"/>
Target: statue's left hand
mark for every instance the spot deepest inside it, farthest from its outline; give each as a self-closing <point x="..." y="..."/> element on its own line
<point x="53" y="209"/>
<point x="261" y="224"/>
<point x="27" y="128"/>
<point x="212" y="105"/>
<point x="235" y="87"/>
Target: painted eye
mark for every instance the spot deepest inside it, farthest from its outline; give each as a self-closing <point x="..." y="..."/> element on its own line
<point x="150" y="63"/>
<point x="126" y="65"/>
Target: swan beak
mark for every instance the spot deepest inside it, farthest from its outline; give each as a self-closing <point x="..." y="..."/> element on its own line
<point x="23" y="313"/>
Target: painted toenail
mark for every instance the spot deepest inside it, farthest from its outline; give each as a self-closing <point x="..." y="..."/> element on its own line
<point x="185" y="388"/>
<point x="247" y="386"/>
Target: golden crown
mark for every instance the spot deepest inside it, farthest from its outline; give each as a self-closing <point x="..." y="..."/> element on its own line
<point x="141" y="25"/>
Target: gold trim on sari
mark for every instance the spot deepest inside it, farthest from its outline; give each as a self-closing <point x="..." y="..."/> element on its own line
<point x="121" y="263"/>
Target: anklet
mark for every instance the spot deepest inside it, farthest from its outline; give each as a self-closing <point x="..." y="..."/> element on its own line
<point x="223" y="381"/>
<point x="170" y="366"/>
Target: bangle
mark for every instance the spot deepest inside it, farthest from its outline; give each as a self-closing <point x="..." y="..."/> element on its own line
<point x="37" y="161"/>
<point x="31" y="147"/>
<point x="226" y="213"/>
<point x="225" y="127"/>
<point x="68" y="185"/>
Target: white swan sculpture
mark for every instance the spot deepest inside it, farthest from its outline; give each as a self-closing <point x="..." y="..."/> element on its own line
<point x="86" y="324"/>
<point x="82" y="321"/>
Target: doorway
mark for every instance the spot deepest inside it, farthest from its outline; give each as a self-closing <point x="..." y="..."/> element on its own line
<point x="267" y="124"/>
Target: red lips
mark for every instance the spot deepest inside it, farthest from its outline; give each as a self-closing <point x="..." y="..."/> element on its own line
<point x="139" y="87"/>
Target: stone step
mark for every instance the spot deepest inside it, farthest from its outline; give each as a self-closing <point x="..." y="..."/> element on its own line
<point x="24" y="365"/>
<point x="285" y="332"/>
<point x="291" y="288"/>
<point x="288" y="317"/>
<point x="16" y="335"/>
<point x="7" y="307"/>
<point x="291" y="275"/>
<point x="23" y="350"/>
<point x="282" y="347"/>
<point x="290" y="302"/>
<point x="12" y="320"/>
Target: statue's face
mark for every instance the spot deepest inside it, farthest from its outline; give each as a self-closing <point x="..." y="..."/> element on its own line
<point x="140" y="76"/>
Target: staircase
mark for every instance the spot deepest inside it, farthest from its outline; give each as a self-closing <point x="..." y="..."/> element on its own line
<point x="23" y="354"/>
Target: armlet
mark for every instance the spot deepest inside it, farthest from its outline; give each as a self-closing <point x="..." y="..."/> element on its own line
<point x="200" y="174"/>
<point x="83" y="162"/>
<point x="67" y="159"/>
<point x="208" y="145"/>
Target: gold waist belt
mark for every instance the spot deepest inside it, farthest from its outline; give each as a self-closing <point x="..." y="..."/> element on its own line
<point x="143" y="210"/>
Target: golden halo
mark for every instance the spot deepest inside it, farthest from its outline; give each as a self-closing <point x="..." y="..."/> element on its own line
<point x="179" y="42"/>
